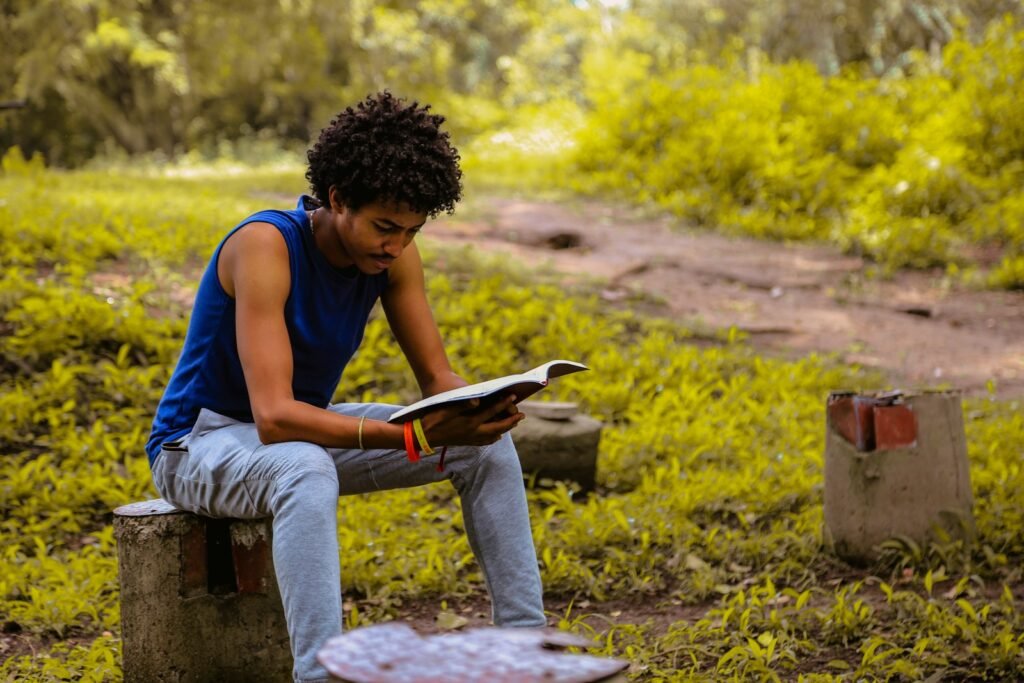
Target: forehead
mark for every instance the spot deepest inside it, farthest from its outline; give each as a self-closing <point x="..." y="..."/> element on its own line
<point x="393" y="212"/>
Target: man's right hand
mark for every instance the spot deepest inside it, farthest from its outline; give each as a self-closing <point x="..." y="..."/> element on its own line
<point x="469" y="425"/>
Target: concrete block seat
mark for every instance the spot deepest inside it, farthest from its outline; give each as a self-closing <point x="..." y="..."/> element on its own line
<point x="199" y="599"/>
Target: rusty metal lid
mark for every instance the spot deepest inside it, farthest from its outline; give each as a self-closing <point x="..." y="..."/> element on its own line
<point x="146" y="508"/>
<point x="395" y="653"/>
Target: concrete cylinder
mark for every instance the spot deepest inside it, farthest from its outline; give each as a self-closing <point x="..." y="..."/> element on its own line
<point x="199" y="599"/>
<point x="556" y="442"/>
<point x="895" y="466"/>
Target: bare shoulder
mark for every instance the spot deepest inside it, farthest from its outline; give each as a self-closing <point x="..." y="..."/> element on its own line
<point x="260" y="237"/>
<point x="254" y="249"/>
<point x="407" y="269"/>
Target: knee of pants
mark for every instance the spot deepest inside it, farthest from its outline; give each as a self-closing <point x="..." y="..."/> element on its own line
<point x="301" y="467"/>
<point x="500" y="457"/>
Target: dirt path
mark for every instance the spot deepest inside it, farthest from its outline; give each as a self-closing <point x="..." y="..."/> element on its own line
<point x="791" y="299"/>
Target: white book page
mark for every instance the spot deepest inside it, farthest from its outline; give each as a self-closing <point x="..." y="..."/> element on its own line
<point x="538" y="375"/>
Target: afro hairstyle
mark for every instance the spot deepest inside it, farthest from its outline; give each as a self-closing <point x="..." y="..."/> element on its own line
<point x="385" y="150"/>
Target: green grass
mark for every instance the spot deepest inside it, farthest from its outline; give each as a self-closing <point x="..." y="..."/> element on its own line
<point x="710" y="467"/>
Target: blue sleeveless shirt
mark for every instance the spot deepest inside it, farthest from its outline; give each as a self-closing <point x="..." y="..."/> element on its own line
<point x="326" y="313"/>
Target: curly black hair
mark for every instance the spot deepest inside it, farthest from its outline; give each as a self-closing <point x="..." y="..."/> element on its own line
<point x="389" y="151"/>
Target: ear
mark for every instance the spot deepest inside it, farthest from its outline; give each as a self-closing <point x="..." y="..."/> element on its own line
<point x="335" y="200"/>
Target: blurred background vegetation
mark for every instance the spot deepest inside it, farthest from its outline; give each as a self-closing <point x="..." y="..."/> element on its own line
<point x="892" y="128"/>
<point x="171" y="76"/>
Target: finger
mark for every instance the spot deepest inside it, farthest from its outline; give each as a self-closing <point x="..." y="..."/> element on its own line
<point x="499" y="427"/>
<point x="492" y="438"/>
<point x="498" y="408"/>
<point x="454" y="410"/>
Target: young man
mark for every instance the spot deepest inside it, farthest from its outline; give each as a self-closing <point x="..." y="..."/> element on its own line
<point x="245" y="428"/>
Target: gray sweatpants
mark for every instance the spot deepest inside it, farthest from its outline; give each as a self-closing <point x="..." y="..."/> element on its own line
<point x="226" y="472"/>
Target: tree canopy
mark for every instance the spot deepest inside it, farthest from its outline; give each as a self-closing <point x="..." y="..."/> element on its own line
<point x="168" y="76"/>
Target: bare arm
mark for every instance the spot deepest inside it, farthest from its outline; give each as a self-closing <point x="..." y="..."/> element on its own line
<point x="254" y="269"/>
<point x="408" y="312"/>
<point x="411" y="321"/>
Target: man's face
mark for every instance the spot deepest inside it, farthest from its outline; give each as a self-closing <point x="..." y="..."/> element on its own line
<point x="376" y="234"/>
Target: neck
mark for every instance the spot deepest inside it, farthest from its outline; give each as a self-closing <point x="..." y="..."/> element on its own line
<point x="326" y="241"/>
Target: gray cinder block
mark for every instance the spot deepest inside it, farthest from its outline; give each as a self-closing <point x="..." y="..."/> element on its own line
<point x="199" y="599"/>
<point x="557" y="442"/>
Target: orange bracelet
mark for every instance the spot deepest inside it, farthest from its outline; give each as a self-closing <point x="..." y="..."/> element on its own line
<point x="410" y="442"/>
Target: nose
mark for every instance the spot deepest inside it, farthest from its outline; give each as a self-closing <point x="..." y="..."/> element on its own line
<point x="393" y="248"/>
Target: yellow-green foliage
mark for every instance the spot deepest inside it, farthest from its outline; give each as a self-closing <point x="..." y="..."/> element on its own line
<point x="710" y="470"/>
<point x="921" y="167"/>
<point x="534" y="152"/>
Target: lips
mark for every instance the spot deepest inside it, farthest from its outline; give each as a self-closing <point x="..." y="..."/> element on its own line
<point x="383" y="262"/>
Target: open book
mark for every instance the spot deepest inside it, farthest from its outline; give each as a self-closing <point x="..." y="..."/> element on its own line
<point x="522" y="385"/>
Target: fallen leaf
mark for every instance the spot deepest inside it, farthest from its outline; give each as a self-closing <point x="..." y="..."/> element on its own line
<point x="694" y="563"/>
<point x="450" y="621"/>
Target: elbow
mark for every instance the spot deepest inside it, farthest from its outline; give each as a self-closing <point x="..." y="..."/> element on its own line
<point x="270" y="427"/>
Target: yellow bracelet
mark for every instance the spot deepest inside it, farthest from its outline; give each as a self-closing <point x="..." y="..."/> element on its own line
<point x="361" y="421"/>
<point x="417" y="426"/>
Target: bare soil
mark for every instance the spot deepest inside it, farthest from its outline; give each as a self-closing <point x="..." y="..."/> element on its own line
<point x="920" y="328"/>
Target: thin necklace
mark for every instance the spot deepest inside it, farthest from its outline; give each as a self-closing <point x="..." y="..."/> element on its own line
<point x="312" y="225"/>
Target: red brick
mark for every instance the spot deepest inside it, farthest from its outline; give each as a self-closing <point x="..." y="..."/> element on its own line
<point x="251" y="563"/>
<point x="193" y="560"/>
<point x="895" y="427"/>
<point x="863" y="407"/>
<point x="840" y="416"/>
<point x="853" y="418"/>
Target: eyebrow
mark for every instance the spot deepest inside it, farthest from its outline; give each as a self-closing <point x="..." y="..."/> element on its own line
<point x="393" y="224"/>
